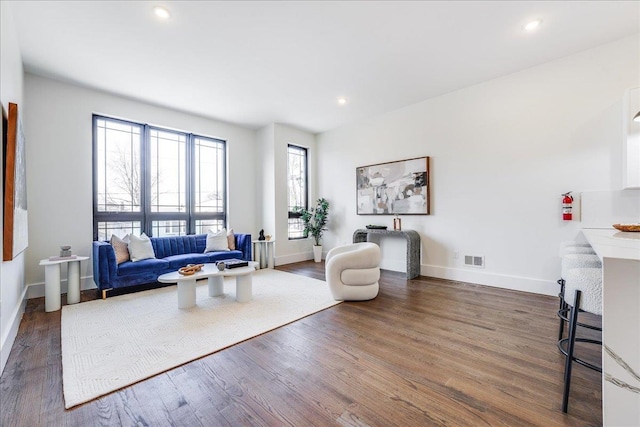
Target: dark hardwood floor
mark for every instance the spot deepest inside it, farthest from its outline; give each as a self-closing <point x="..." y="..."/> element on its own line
<point x="424" y="352"/>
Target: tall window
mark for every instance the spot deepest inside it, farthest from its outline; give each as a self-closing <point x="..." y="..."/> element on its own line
<point x="155" y="180"/>
<point x="297" y="188"/>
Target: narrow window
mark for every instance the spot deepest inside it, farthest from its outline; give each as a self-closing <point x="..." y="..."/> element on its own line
<point x="298" y="193"/>
<point x="117" y="178"/>
<point x="210" y="197"/>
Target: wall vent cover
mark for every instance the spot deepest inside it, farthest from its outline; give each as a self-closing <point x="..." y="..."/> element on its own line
<point x="474" y="261"/>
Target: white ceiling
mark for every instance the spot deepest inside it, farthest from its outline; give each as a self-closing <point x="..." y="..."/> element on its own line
<point x="255" y="63"/>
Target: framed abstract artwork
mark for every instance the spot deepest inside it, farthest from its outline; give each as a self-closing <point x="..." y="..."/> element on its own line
<point x="15" y="236"/>
<point x="394" y="188"/>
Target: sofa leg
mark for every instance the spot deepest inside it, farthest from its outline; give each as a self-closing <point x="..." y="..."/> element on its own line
<point x="104" y="293"/>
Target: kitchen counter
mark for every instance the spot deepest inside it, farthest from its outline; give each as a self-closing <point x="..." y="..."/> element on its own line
<point x="620" y="255"/>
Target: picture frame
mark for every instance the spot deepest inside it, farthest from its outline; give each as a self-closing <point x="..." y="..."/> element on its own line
<point x="15" y="220"/>
<point x="394" y="188"/>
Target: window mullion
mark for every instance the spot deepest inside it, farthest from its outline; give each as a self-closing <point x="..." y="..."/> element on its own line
<point x="225" y="199"/>
<point x="145" y="179"/>
<point x="190" y="186"/>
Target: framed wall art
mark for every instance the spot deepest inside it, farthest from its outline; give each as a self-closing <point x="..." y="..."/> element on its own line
<point x="15" y="236"/>
<point x="394" y="188"/>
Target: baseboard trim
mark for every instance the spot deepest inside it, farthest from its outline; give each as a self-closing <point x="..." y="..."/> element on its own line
<point x="482" y="277"/>
<point x="399" y="266"/>
<point x="505" y="281"/>
<point x="290" y="259"/>
<point x="36" y="290"/>
<point x="12" y="332"/>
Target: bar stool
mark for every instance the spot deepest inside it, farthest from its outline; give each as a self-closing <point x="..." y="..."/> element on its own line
<point x="568" y="246"/>
<point x="586" y="285"/>
<point x="573" y="247"/>
<point x="578" y="250"/>
<point x="567" y="243"/>
<point x="570" y="261"/>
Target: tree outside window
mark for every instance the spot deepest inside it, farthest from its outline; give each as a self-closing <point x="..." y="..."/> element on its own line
<point x="156" y="180"/>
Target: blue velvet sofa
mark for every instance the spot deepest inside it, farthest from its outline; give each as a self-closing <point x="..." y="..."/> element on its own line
<point x="171" y="254"/>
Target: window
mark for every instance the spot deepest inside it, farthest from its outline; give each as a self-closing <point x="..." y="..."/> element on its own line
<point x="156" y="180"/>
<point x="298" y="193"/>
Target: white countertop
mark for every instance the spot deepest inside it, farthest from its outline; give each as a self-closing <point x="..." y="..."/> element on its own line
<point x="611" y="243"/>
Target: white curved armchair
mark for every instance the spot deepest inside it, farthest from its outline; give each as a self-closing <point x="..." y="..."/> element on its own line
<point x="353" y="271"/>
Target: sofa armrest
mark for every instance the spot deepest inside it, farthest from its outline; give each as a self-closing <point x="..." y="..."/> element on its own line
<point x="243" y="243"/>
<point x="104" y="264"/>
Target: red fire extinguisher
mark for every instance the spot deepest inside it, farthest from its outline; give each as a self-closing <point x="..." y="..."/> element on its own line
<point x="567" y="200"/>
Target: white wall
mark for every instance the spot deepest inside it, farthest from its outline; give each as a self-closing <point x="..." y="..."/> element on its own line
<point x="602" y="209"/>
<point x="59" y="157"/>
<point x="12" y="281"/>
<point x="501" y="152"/>
<point x="273" y="141"/>
<point x="288" y="251"/>
<point x="265" y="179"/>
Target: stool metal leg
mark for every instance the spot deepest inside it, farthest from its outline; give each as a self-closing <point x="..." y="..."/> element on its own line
<point x="562" y="306"/>
<point x="573" y="321"/>
<point x="563" y="313"/>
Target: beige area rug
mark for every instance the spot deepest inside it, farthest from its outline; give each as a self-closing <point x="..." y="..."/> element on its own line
<point x="109" y="344"/>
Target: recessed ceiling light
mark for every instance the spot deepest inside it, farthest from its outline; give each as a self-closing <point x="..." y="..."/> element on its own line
<point x="533" y="25"/>
<point x="161" y="12"/>
<point x="342" y="100"/>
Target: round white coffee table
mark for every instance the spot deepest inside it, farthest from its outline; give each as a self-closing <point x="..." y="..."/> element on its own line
<point x="215" y="277"/>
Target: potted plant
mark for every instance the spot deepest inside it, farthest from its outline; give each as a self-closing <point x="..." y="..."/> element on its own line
<point x="315" y="221"/>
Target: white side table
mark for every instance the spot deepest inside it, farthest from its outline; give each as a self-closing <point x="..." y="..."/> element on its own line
<point x="264" y="253"/>
<point x="52" y="281"/>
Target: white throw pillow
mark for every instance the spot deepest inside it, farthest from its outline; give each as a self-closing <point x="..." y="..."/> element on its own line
<point x="217" y="241"/>
<point x="140" y="248"/>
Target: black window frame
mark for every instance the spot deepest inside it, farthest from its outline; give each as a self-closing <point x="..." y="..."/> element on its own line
<point x="145" y="216"/>
<point x="291" y="214"/>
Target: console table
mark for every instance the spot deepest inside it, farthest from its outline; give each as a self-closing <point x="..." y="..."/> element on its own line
<point x="413" y="245"/>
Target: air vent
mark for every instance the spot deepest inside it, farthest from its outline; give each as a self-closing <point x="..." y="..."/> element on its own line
<point x="474" y="261"/>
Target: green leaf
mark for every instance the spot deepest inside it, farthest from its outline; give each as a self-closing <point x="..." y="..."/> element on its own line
<point x="314" y="219"/>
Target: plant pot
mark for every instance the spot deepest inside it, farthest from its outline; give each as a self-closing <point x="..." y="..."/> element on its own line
<point x="317" y="253"/>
